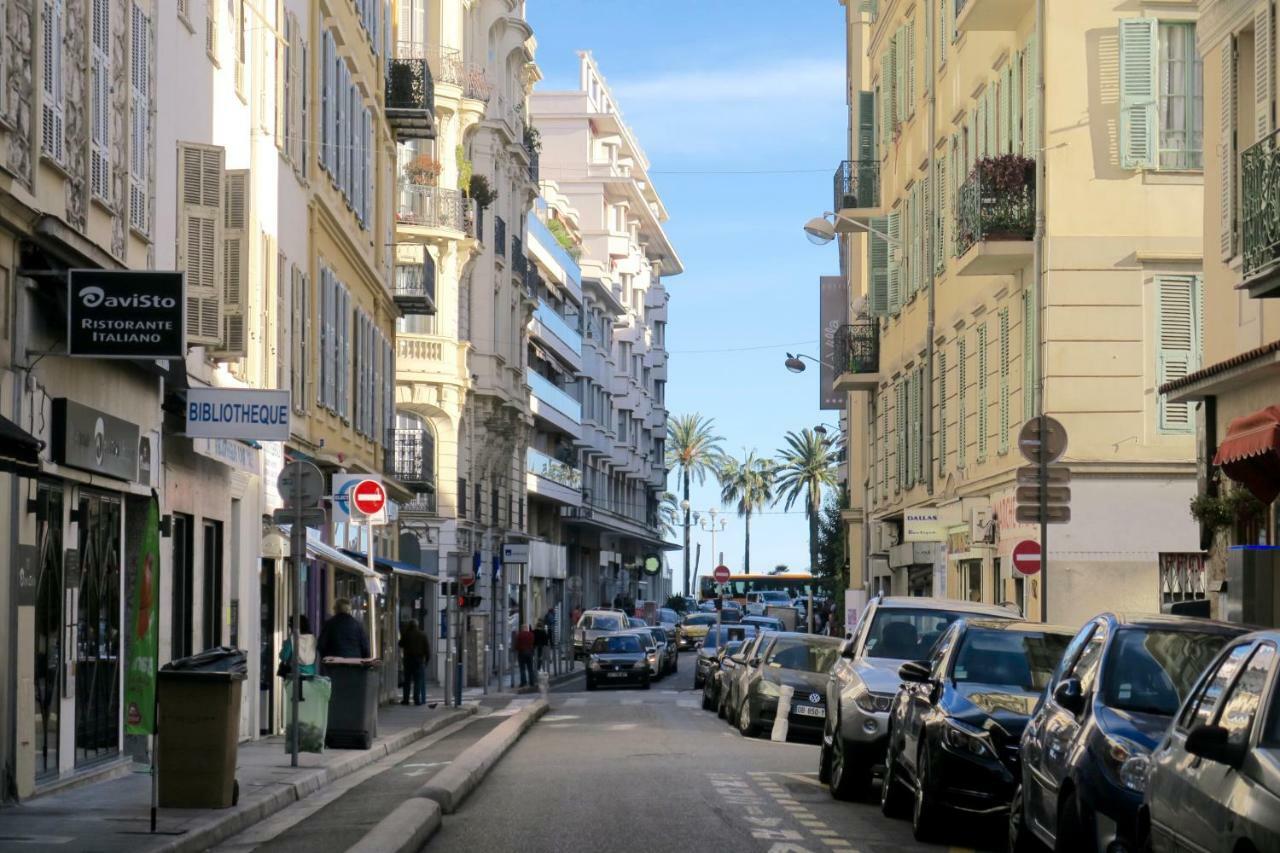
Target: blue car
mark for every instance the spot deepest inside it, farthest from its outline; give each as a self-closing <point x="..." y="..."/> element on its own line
<point x="1086" y="750"/>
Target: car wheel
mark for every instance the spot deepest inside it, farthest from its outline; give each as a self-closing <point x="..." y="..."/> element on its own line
<point x="847" y="781"/>
<point x="893" y="796"/>
<point x="591" y="684"/>
<point x="722" y="706"/>
<point x="746" y="726"/>
<point x="707" y="704"/>
<point x="1072" y="833"/>
<point x="1021" y="839"/>
<point x="927" y="813"/>
<point x="824" y="763"/>
<point x="644" y="684"/>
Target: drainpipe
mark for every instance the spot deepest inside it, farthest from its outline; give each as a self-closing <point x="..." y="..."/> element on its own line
<point x="1037" y="264"/>
<point x="926" y="442"/>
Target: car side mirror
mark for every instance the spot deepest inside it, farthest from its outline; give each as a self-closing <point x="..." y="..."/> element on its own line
<point x="1212" y="742"/>
<point x="1070" y="695"/>
<point x="846" y="650"/>
<point x="915" y="672"/>
<point x="739" y="659"/>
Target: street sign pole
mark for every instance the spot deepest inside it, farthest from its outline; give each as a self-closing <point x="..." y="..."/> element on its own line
<point x="298" y="546"/>
<point x="1044" y="518"/>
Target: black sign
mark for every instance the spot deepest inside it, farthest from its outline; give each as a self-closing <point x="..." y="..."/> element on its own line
<point x="126" y="314"/>
<point x="27" y="576"/>
<point x="95" y="441"/>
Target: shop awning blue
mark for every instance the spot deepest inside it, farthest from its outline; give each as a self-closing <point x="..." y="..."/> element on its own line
<point x="389" y="565"/>
<point x="329" y="554"/>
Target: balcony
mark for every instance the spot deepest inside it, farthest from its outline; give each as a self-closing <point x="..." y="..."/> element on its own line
<point x="990" y="15"/>
<point x="410" y="458"/>
<point x="439" y="208"/>
<point x="857" y="190"/>
<point x="430" y="358"/>
<point x="553" y="478"/>
<point x="554" y="405"/>
<point x="995" y="216"/>
<point x="415" y="287"/>
<point x="519" y="262"/>
<point x="554" y="331"/>
<point x="410" y="99"/>
<point x="539" y="234"/>
<point x="857" y="353"/>
<point x="447" y="67"/>
<point x="1260" y="217"/>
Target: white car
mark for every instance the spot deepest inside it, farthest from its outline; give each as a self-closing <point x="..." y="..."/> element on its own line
<point x="758" y="602"/>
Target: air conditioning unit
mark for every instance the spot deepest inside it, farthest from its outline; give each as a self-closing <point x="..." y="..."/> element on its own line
<point x="982" y="527"/>
<point x="886" y="536"/>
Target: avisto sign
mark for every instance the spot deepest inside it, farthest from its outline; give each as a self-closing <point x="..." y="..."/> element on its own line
<point x="126" y="314"/>
<point x="238" y="413"/>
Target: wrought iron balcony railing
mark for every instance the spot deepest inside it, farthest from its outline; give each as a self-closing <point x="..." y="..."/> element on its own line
<point x="410" y="458"/>
<point x="499" y="236"/>
<point x="996" y="202"/>
<point x="1260" y="206"/>
<point x="410" y="98"/>
<point x="858" y="348"/>
<point x="436" y="207"/>
<point x="857" y="184"/>
<point x="448" y="66"/>
<point x="415" y="287"/>
<point x="519" y="263"/>
<point x="555" y="470"/>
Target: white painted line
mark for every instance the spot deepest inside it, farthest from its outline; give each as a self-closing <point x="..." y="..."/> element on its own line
<point x="575" y="702"/>
<point x="632" y="701"/>
<point x="805" y="777"/>
<point x="826" y="832"/>
<point x="556" y="718"/>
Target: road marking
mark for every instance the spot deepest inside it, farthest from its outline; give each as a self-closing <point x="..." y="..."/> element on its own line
<point x="575" y="702"/>
<point x="806" y="778"/>
<point x="824" y="831"/>
<point x="556" y="718"/>
<point x="621" y="727"/>
<point x="632" y="701"/>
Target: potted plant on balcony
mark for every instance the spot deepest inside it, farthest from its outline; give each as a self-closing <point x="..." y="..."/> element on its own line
<point x="1007" y="190"/>
<point x="480" y="191"/>
<point x="423" y="170"/>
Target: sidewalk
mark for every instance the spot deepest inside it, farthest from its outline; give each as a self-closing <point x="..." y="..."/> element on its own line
<point x="115" y="815"/>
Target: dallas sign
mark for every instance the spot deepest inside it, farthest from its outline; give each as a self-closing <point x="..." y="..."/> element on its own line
<point x="126" y="314"/>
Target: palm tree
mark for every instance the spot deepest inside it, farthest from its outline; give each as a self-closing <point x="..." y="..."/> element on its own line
<point x="805" y="466"/>
<point x="693" y="448"/>
<point x="748" y="482"/>
<point x="668" y="513"/>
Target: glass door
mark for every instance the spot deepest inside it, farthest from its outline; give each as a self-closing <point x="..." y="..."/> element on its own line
<point x="98" y="629"/>
<point x="48" y="627"/>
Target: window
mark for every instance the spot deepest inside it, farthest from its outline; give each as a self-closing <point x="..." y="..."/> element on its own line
<point x="1241" y="703"/>
<point x="971" y="579"/>
<point x="962" y="392"/>
<point x="212" y="609"/>
<point x="51" y="107"/>
<point x="299" y="335"/>
<point x="100" y="111"/>
<point x="1181" y="98"/>
<point x="140" y="120"/>
<point x="982" y="392"/>
<point x="1200" y="712"/>
<point x="462" y="497"/>
<point x="346" y="134"/>
<point x="211" y="29"/>
<point x="1152" y="671"/>
<point x="1085" y="667"/>
<point x="1004" y="380"/>
<point x="1161" y="96"/>
<point x="200" y="249"/>
<point x="1179" y="324"/>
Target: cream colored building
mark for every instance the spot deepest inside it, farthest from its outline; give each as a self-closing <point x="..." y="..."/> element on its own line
<point x="950" y="297"/>
<point x="1236" y="387"/>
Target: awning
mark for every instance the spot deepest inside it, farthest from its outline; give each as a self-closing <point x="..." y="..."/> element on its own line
<point x="320" y="551"/>
<point x="389" y="565"/>
<point x="19" y="449"/>
<point x="1250" y="454"/>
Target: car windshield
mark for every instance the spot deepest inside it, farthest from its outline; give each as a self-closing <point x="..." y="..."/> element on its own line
<point x="701" y="619"/>
<point x="623" y="644"/>
<point x="646" y="639"/>
<point x="666" y="616"/>
<point x="903" y="633"/>
<point x="1022" y="659"/>
<point x="728" y="632"/>
<point x="604" y="622"/>
<point x="811" y="654"/>
<point x="775" y="596"/>
<point x="1151" y="671"/>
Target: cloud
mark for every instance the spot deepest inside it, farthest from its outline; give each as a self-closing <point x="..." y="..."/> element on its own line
<point x="788" y="80"/>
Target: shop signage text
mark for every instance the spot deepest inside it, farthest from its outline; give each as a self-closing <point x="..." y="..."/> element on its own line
<point x="922" y="525"/>
<point x="126" y="314"/>
<point x="95" y="441"/>
<point x="258" y="415"/>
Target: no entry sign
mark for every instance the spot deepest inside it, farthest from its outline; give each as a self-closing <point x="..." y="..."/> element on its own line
<point x="1026" y="557"/>
<point x="369" y="497"/>
<point x="721" y="574"/>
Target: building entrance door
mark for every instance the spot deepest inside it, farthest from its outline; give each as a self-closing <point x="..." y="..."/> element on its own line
<point x="98" y="628"/>
<point x="49" y="647"/>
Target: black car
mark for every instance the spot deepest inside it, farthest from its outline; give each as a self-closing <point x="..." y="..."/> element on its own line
<point x="710" y="645"/>
<point x="794" y="660"/>
<point x="713" y="683"/>
<point x="617" y="659"/>
<point x="1086" y="750"/>
<point x="957" y="719"/>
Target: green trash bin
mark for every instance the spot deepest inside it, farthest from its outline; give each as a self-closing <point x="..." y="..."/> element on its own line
<point x="353" y="705"/>
<point x="198" y="730"/>
<point x="313" y="714"/>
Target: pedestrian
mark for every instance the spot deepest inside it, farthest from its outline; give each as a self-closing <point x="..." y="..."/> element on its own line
<point x="306" y="650"/>
<point x="550" y="620"/>
<point x="617" y="601"/>
<point x="524" y="653"/>
<point x="417" y="652"/>
<point x="540" y="642"/>
<point x="342" y="635"/>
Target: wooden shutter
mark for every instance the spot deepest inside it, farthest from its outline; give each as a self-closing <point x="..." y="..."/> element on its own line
<point x="325" y="383"/>
<point x="944" y="29"/>
<point x="980" y="126"/>
<point x="895" y="262"/>
<point x="1177" y="345"/>
<point x="910" y="62"/>
<point x="962" y="393"/>
<point x="1004" y="380"/>
<point x="993" y="109"/>
<point x="1006" y="110"/>
<point x="211" y="28"/>
<point x="389" y="404"/>
<point x="100" y="109"/>
<point x="878" y="261"/>
<point x="942" y="409"/>
<point x="329" y="106"/>
<point x="913" y="428"/>
<point x="1015" y="104"/>
<point x="1029" y="355"/>
<point x="1227" y="143"/>
<point x="139" y="120"/>
<point x="926" y="229"/>
<point x="235" y="264"/>
<point x="866" y="133"/>
<point x="297" y="387"/>
<point x="983" y="403"/>
<point x="939" y="214"/>
<point x="1139" y="45"/>
<point x="344" y="355"/>
<point x="900" y="432"/>
<point x="51" y="105"/>
<point x="357" y="368"/>
<point x="1264" y="70"/>
<point x="1031" y="95"/>
<point x="200" y="238"/>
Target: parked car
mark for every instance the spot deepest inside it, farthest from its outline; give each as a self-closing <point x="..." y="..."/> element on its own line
<point x="710" y="645"/>
<point x="733" y="678"/>
<point x="798" y="661"/>
<point x="668" y="653"/>
<point x="694" y="628"/>
<point x="636" y="622"/>
<point x="862" y="684"/>
<point x="713" y="683"/>
<point x="1214" y="780"/>
<point x="1086" y="750"/>
<point x="668" y="619"/>
<point x="958" y="717"/>
<point x="707" y="606"/>
<point x="617" y="659"/>
<point x="731" y="612"/>
<point x="764" y="623"/>
<point x="652" y="652"/>
<point x="593" y="624"/>
<point x="758" y="602"/>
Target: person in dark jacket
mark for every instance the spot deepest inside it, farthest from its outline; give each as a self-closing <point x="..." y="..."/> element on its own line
<point x="524" y="654"/>
<point x="342" y="635"/>
<point x="416" y="654"/>
<point x="540" y="644"/>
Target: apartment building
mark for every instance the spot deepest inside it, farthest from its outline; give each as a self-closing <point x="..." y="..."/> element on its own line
<point x="1232" y="389"/>
<point x="953" y="334"/>
<point x="598" y="189"/>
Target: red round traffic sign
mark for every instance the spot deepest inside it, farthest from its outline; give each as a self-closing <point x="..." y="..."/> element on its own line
<point x="721" y="574"/>
<point x="369" y="497"/>
<point x="468" y="580"/>
<point x="1026" y="557"/>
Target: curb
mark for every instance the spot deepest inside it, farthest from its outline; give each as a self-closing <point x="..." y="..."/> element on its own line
<point x="554" y="681"/>
<point x="405" y="830"/>
<point x="451" y="786"/>
<point x="239" y="818"/>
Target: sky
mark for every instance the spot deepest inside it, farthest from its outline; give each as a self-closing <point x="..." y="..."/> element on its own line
<point x="743" y="119"/>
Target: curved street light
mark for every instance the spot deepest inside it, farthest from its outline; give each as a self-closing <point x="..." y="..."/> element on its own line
<point x="821" y="230"/>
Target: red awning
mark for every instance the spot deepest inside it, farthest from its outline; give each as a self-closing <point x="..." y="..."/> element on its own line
<point x="1250" y="454"/>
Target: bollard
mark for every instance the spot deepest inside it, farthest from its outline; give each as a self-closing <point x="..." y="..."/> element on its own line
<point x="780" y="721"/>
<point x="544" y="684"/>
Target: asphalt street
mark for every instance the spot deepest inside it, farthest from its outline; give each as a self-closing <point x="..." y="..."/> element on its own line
<point x="637" y="771"/>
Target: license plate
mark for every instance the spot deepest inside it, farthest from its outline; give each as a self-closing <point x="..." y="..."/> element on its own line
<point x="617" y="674"/>
<point x="810" y="711"/>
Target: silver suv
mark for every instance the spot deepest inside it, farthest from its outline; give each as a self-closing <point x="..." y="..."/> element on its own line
<point x="862" y="684"/>
<point x="596" y="623"/>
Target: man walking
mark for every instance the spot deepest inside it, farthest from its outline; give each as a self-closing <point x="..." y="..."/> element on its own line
<point x="540" y="645"/>
<point x="342" y="635"/>
<point x="524" y="653"/>
<point x="417" y="652"/>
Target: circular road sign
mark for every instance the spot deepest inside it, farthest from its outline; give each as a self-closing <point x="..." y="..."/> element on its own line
<point x="1026" y="557"/>
<point x="300" y="483"/>
<point x="721" y="574"/>
<point x="1053" y="443"/>
<point x="369" y="497"/>
<point x="468" y="580"/>
<point x="652" y="564"/>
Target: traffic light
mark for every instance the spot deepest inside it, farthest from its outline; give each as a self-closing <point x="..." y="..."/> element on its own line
<point x="469" y="601"/>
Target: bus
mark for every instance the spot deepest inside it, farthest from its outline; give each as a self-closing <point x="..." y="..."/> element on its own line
<point x="794" y="584"/>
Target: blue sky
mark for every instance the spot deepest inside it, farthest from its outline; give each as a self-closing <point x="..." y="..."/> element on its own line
<point x="716" y="86"/>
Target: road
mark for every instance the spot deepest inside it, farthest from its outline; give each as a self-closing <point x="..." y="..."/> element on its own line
<point x="631" y="770"/>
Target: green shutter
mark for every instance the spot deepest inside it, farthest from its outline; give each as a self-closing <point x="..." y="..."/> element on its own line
<point x="1227" y="150"/>
<point x="913" y="218"/>
<point x="884" y="444"/>
<point x="942" y="410"/>
<point x="939" y="214"/>
<point x="866" y="126"/>
<point x="926" y="219"/>
<point x="982" y="392"/>
<point x="1138" y="54"/>
<point x="878" y="256"/>
<point x="911" y="68"/>
<point x="993" y="110"/>
<point x="913" y="428"/>
<point x="900" y="76"/>
<point x="921" y="465"/>
<point x="944" y="29"/>
<point x="1015" y="104"/>
<point x="1006" y="110"/>
<point x="962" y="393"/>
<point x="1178" y="330"/>
<point x="1004" y="380"/>
<point x="1264" y="70"/>
<point x="895" y="263"/>
<point x="980" y="126"/>
<point x="900" y="432"/>
<point x="1028" y="355"/>
<point x="1031" y="95"/>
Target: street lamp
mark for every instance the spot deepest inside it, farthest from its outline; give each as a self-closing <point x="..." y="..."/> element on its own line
<point x="821" y="230"/>
<point x="702" y="522"/>
<point x="684" y="505"/>
<point x="795" y="365"/>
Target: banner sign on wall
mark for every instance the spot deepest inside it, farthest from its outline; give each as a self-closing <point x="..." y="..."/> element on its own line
<point x="91" y="440"/>
<point x="247" y="414"/>
<point x="922" y="525"/>
<point x="143" y="631"/>
<point x="833" y="313"/>
<point x="126" y="314"/>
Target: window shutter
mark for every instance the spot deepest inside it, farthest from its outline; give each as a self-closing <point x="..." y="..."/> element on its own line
<point x="100" y="111"/>
<point x="326" y="384"/>
<point x="1227" y="143"/>
<point x="235" y="264"/>
<point x="900" y="432"/>
<point x="962" y="393"/>
<point x="139" y="120"/>
<point x="895" y="263"/>
<point x="926" y="225"/>
<point x="211" y="28"/>
<point x="1178" y="344"/>
<point x="913" y="428"/>
<point x="1004" y="380"/>
<point x="1016" y="96"/>
<point x="911" y="68"/>
<point x="389" y="355"/>
<point x="357" y="369"/>
<point x="878" y="256"/>
<point x="991" y="143"/>
<point x="983" y="402"/>
<point x="1264" y="70"/>
<point x="51" y="137"/>
<point x="344" y="363"/>
<point x="944" y="29"/>
<point x="200" y="238"/>
<point x="895" y="84"/>
<point x="1138" y="57"/>
<point x="1029" y="355"/>
<point x="1030" y="91"/>
<point x="866" y="135"/>
<point x="942" y="410"/>
<point x="980" y="125"/>
<point x="295" y="336"/>
<point x="329" y="105"/>
<point x="884" y="98"/>
<point x="370" y="176"/>
<point x="939" y="215"/>
<point x="1006" y="110"/>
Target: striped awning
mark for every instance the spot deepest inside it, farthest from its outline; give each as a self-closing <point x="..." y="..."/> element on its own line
<point x="1250" y="454"/>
